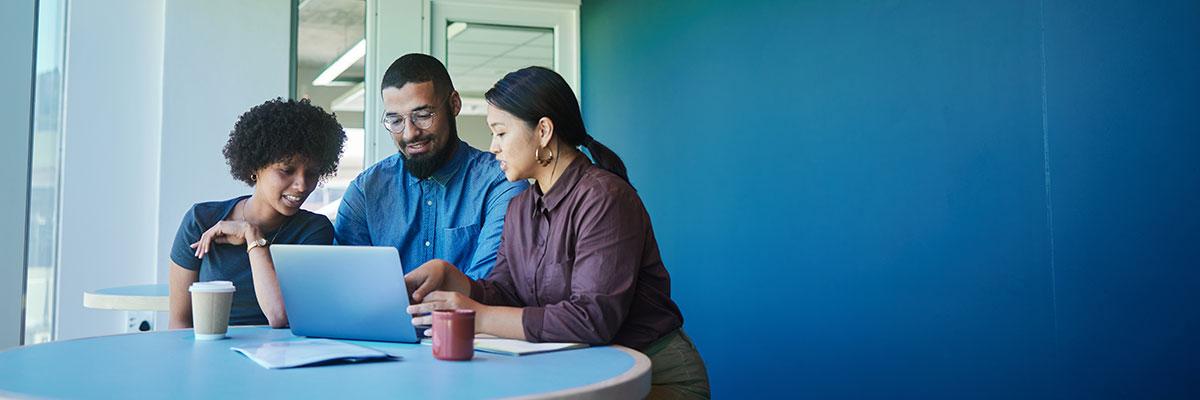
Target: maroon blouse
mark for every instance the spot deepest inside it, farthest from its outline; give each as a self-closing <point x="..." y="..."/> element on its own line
<point x="583" y="262"/>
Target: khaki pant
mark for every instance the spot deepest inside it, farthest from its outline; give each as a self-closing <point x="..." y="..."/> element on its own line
<point x="676" y="369"/>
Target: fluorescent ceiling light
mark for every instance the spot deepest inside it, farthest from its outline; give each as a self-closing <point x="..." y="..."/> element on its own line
<point x="455" y="29"/>
<point x="341" y="65"/>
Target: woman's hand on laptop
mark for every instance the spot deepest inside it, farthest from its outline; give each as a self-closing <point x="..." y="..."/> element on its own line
<point x="500" y="321"/>
<point x="441" y="300"/>
<point x="435" y="275"/>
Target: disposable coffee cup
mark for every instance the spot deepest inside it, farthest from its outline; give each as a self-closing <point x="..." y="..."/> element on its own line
<point x="453" y="335"/>
<point x="210" y="308"/>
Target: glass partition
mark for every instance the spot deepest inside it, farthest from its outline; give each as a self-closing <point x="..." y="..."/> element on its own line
<point x="330" y="66"/>
<point x="45" y="173"/>
<point x="478" y="55"/>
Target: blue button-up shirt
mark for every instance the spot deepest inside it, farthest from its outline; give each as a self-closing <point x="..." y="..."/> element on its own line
<point x="455" y="215"/>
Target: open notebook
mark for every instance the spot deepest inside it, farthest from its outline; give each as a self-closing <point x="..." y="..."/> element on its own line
<point x="513" y="347"/>
<point x="298" y="353"/>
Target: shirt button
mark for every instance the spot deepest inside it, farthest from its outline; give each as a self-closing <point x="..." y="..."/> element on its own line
<point x="429" y="202"/>
<point x="426" y="243"/>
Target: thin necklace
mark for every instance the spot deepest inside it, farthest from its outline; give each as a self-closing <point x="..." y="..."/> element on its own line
<point x="246" y="203"/>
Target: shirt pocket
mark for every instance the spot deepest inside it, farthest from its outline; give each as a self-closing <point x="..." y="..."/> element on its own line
<point x="460" y="245"/>
<point x="553" y="282"/>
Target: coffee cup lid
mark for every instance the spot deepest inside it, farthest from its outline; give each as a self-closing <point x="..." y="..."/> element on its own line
<point x="212" y="287"/>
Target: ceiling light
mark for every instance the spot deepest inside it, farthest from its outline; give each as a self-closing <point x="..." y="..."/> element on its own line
<point x="455" y="29"/>
<point x="326" y="78"/>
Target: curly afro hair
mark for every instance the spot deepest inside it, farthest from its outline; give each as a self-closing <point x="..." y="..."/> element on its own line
<point x="281" y="130"/>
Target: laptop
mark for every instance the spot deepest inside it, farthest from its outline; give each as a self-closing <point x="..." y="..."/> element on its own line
<point x="344" y="292"/>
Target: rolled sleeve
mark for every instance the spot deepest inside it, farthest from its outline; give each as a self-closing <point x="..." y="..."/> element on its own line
<point x="532" y="319"/>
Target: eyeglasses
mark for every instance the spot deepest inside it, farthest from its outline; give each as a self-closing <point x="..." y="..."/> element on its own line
<point x="395" y="123"/>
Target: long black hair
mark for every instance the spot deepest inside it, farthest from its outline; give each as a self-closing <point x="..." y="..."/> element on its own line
<point x="532" y="93"/>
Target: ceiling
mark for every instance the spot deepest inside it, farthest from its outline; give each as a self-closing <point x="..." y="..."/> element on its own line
<point x="478" y="55"/>
<point x="327" y="29"/>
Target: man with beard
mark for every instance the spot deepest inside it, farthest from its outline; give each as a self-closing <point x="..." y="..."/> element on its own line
<point x="438" y="200"/>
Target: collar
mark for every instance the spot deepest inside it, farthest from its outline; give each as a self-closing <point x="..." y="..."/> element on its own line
<point x="231" y="204"/>
<point x="446" y="171"/>
<point x="546" y="203"/>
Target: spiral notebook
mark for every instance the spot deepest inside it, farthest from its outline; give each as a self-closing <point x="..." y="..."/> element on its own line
<point x="515" y="347"/>
<point x="299" y="353"/>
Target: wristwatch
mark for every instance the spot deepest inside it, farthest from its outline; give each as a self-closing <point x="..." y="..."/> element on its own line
<point x="261" y="242"/>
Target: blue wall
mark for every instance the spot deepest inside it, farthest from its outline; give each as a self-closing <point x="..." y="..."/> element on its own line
<point x="1123" y="90"/>
<point x="916" y="198"/>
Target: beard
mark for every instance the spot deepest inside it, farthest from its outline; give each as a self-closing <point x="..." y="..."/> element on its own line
<point x="423" y="166"/>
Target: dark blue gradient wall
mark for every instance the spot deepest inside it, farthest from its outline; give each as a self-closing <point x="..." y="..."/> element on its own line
<point x="916" y="199"/>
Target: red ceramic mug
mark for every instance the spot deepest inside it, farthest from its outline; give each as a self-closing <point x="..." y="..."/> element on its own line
<point x="454" y="334"/>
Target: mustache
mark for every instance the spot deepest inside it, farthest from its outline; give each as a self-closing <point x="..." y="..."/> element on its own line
<point x="430" y="137"/>
<point x="422" y="138"/>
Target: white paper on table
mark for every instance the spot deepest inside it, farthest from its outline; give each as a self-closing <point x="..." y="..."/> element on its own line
<point x="297" y="353"/>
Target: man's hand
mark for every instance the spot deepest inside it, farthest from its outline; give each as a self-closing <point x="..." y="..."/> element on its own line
<point x="436" y="275"/>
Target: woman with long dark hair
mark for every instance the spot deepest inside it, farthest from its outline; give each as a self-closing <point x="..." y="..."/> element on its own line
<point x="578" y="261"/>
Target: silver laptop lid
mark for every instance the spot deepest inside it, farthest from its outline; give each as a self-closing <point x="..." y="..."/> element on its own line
<point x="344" y="292"/>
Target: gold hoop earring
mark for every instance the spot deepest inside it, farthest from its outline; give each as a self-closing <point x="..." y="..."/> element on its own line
<point x="538" y="156"/>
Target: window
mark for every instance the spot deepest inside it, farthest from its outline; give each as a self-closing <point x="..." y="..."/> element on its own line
<point x="46" y="170"/>
<point x="478" y="55"/>
<point x="479" y="41"/>
<point x="330" y="66"/>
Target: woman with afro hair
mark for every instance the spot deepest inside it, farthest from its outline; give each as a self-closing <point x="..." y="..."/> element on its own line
<point x="282" y="149"/>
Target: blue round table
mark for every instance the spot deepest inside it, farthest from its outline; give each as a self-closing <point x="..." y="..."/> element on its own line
<point x="172" y="364"/>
